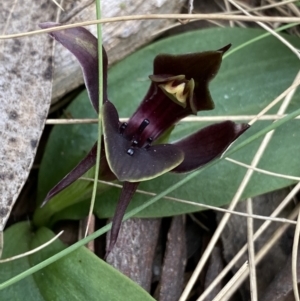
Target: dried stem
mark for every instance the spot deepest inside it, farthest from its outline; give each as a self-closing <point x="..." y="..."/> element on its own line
<point x="294" y="259"/>
<point x="251" y="252"/>
<point x="32" y="251"/>
<point x="160" y="17"/>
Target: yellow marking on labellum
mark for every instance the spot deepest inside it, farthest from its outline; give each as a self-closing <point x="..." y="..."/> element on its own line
<point x="176" y="92"/>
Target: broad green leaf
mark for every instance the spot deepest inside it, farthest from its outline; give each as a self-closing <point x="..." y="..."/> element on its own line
<point x="79" y="276"/>
<point x="248" y="80"/>
<point x="67" y="145"/>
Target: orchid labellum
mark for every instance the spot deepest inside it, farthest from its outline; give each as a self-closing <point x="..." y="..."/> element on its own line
<point x="132" y="151"/>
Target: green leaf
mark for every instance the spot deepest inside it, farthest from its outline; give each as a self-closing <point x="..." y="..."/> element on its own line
<point x="71" y="195"/>
<point x="79" y="276"/>
<point x="248" y="80"/>
<point x="69" y="143"/>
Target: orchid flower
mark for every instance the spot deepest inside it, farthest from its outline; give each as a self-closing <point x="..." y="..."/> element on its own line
<point x="133" y="151"/>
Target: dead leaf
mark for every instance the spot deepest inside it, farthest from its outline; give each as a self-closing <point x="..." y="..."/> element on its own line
<point x="281" y="288"/>
<point x="25" y="94"/>
<point x="134" y="250"/>
<point x="172" y="277"/>
<point x="215" y="267"/>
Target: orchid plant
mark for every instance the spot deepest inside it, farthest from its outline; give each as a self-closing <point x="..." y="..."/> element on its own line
<point x="137" y="150"/>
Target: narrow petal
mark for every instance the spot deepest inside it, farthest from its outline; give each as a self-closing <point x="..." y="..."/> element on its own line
<point x="129" y="162"/>
<point x="124" y="200"/>
<point x="208" y="144"/>
<point x="84" y="46"/>
<point x="85" y="164"/>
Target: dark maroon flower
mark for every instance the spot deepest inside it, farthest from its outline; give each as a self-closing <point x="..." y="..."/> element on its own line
<point x="132" y="151"/>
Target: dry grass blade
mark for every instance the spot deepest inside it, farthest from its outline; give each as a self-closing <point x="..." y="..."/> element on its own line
<point x="222" y="294"/>
<point x="91" y="229"/>
<point x="273" y="5"/>
<point x="294" y="259"/>
<point x="161" y="31"/>
<point x="190" y="11"/>
<point x="263" y="171"/>
<point x="251" y="252"/>
<point x="294" y="8"/>
<point x="255" y="216"/>
<point x="279" y="37"/>
<point x="9" y="19"/>
<point x="187" y="119"/>
<point x="234" y="212"/>
<point x="34" y="250"/>
<point x="289" y="90"/>
<point x="281" y="10"/>
<point x="228" y="9"/>
<point x="57" y="4"/>
<point x="248" y="8"/>
<point x="159" y="17"/>
<point x="198" y="222"/>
